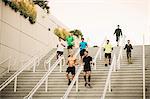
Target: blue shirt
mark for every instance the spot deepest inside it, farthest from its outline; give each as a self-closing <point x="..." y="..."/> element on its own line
<point x="83" y="45"/>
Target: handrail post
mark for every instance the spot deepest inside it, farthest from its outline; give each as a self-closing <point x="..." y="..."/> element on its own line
<point x="15" y="84"/>
<point x="95" y="64"/>
<point x="100" y="53"/>
<point x="60" y="68"/>
<point x="110" y="84"/>
<point x="46" y="84"/>
<point x="49" y="65"/>
<point x="64" y="62"/>
<point x="34" y="65"/>
<point x="77" y="84"/>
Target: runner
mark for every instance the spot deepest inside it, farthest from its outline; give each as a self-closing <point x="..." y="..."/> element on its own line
<point x="83" y="45"/>
<point x="118" y="33"/>
<point x="70" y="42"/>
<point x="71" y="67"/>
<point x="87" y="61"/>
<point x="128" y="48"/>
<point x="108" y="49"/>
<point x="60" y="48"/>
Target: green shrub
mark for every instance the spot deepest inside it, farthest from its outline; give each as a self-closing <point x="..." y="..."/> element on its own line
<point x="77" y="33"/>
<point x="43" y="4"/>
<point x="62" y="33"/>
<point x="25" y="7"/>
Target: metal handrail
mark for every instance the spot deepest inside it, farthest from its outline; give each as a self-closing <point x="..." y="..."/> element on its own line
<point x="114" y="66"/>
<point x="48" y="61"/>
<point x="75" y="80"/>
<point x="120" y="52"/>
<point x="108" y="81"/>
<point x="14" y="76"/>
<point x="99" y="52"/>
<point x="45" y="77"/>
<point x="79" y="71"/>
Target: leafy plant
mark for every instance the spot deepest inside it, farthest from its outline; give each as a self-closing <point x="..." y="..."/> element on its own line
<point x="6" y="2"/>
<point x="77" y="33"/>
<point x="25" y="7"/>
<point x="43" y="4"/>
<point x="62" y="33"/>
<point x="14" y="5"/>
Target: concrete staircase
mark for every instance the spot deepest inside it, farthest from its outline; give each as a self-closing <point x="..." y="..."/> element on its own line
<point x="126" y="83"/>
<point x="57" y="83"/>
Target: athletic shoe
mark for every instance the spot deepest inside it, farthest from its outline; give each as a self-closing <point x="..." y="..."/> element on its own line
<point x="69" y="82"/>
<point x="90" y="86"/>
<point x="85" y="84"/>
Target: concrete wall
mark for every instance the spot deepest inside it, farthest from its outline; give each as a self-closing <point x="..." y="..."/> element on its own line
<point x="20" y="39"/>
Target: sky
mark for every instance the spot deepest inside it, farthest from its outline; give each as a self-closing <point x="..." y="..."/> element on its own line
<point x="99" y="18"/>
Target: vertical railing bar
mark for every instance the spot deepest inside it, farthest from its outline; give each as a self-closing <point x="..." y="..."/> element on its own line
<point x="46" y="84"/>
<point x="15" y="84"/>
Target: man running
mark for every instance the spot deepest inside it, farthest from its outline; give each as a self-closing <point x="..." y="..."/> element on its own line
<point x="70" y="42"/>
<point x="83" y="45"/>
<point x="108" y="49"/>
<point x="71" y="67"/>
<point x="118" y="33"/>
<point x="87" y="61"/>
<point x="128" y="48"/>
<point x="60" y="48"/>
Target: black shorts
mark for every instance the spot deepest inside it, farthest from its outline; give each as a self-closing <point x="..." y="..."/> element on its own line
<point x="117" y="38"/>
<point x="82" y="52"/>
<point x="70" y="47"/>
<point x="128" y="55"/>
<point x="108" y="55"/>
<point x="59" y="53"/>
<point x="87" y="68"/>
<point x="71" y="70"/>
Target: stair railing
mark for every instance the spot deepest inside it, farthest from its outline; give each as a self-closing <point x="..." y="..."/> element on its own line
<point x="75" y="80"/>
<point x="114" y="66"/>
<point x="120" y="52"/>
<point x="99" y="52"/>
<point x="45" y="77"/>
<point x="32" y="62"/>
<point x="108" y="80"/>
<point x="48" y="61"/>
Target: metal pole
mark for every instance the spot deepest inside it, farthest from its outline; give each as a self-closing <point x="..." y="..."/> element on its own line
<point x="60" y="66"/>
<point x="100" y="54"/>
<point x="114" y="66"/>
<point x="15" y="84"/>
<point x="110" y="84"/>
<point x="95" y="65"/>
<point x="143" y="66"/>
<point x="46" y="84"/>
<point x="64" y="62"/>
<point x="77" y="86"/>
<point x="34" y="65"/>
<point x="49" y="65"/>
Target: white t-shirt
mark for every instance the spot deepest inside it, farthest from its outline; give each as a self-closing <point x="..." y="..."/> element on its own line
<point x="60" y="46"/>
